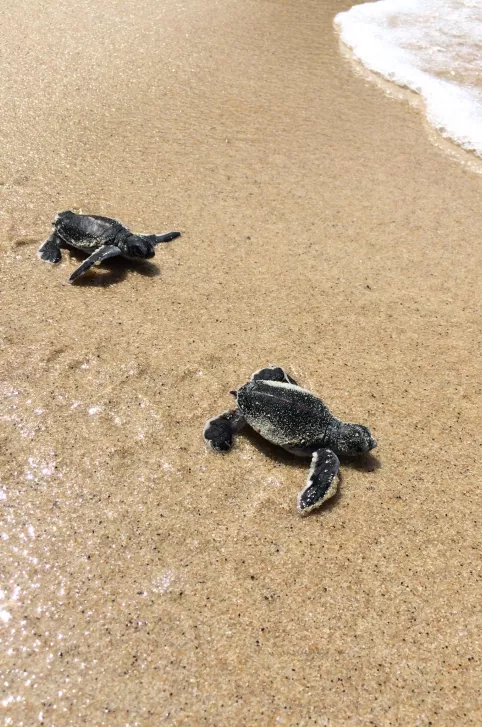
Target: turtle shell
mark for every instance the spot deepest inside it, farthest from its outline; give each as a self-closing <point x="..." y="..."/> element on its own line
<point x="87" y="232"/>
<point x="284" y="414"/>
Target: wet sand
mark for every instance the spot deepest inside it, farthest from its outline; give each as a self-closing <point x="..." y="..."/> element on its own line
<point x="147" y="581"/>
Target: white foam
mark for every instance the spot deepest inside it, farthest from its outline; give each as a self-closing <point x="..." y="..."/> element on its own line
<point x="431" y="47"/>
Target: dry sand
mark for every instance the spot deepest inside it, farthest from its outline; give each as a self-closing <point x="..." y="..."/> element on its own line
<point x="147" y="581"/>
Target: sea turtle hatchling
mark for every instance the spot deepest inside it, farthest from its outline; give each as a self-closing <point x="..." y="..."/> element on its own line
<point x="275" y="406"/>
<point x="100" y="238"/>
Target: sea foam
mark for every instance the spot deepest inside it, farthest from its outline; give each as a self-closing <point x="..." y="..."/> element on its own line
<point x="433" y="47"/>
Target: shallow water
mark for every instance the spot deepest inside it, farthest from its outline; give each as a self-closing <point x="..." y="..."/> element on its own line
<point x="432" y="47"/>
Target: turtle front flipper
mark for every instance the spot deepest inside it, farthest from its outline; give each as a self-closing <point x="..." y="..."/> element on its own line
<point x="219" y="432"/>
<point x="156" y="239"/>
<point x="273" y="373"/>
<point x="95" y="259"/>
<point x="49" y="251"/>
<point x="322" y="481"/>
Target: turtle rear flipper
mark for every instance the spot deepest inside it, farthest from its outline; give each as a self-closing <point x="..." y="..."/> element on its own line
<point x="273" y="373"/>
<point x="49" y="251"/>
<point x="219" y="432"/>
<point x="322" y="481"/>
<point x="156" y="239"/>
<point x="95" y="259"/>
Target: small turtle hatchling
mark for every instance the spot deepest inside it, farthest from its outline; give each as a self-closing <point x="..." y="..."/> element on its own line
<point x="100" y="238"/>
<point x="275" y="406"/>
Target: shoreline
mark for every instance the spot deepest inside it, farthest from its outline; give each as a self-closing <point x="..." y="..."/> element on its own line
<point x="469" y="159"/>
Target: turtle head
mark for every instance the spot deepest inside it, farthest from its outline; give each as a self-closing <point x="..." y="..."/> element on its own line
<point x="351" y="439"/>
<point x="135" y="247"/>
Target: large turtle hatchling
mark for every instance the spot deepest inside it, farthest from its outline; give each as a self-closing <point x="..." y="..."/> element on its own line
<point x="275" y="406"/>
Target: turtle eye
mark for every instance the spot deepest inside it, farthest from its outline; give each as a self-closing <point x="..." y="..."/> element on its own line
<point x="137" y="250"/>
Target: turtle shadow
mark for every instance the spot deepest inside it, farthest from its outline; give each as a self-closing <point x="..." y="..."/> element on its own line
<point x="277" y="454"/>
<point x="364" y="463"/>
<point x="112" y="271"/>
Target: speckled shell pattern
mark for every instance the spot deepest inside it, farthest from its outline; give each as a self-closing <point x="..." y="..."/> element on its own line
<point x="286" y="415"/>
<point x="87" y="232"/>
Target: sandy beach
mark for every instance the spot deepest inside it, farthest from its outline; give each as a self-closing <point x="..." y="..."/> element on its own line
<point x="145" y="580"/>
